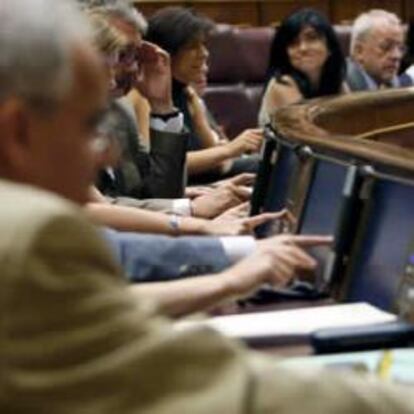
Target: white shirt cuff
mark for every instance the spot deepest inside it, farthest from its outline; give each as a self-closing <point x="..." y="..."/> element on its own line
<point x="182" y="207"/>
<point x="174" y="125"/>
<point x="238" y="247"/>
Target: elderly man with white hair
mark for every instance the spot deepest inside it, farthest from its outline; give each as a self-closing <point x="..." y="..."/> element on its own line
<point x="73" y="337"/>
<point x="377" y="48"/>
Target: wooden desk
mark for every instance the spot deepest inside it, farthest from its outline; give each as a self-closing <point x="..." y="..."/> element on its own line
<point x="294" y="348"/>
<point x="355" y="128"/>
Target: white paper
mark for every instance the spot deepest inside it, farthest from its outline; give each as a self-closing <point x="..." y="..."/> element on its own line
<point x="296" y="322"/>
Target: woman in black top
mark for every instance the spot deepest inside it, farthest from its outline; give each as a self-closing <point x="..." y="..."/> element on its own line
<point x="183" y="33"/>
<point x="306" y="61"/>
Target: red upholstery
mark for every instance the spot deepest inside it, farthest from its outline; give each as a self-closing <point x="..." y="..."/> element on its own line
<point x="238" y="64"/>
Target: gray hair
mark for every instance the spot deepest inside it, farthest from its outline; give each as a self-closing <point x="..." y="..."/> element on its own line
<point x="365" y="22"/>
<point x="36" y="42"/>
<point x="123" y="9"/>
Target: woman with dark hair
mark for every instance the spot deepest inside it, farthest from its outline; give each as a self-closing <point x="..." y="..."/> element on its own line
<point x="306" y="61"/>
<point x="183" y="33"/>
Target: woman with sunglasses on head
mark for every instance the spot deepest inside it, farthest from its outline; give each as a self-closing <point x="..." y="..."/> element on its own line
<point x="306" y="61"/>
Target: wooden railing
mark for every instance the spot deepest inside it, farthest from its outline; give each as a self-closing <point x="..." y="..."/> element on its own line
<point x="371" y="135"/>
<point x="376" y="127"/>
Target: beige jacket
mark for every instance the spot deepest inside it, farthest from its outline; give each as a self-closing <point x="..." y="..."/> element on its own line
<point x="73" y="338"/>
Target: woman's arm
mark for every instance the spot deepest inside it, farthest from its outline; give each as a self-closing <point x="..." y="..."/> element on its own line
<point x="208" y="159"/>
<point x="130" y="219"/>
<point x="125" y="218"/>
<point x="208" y="137"/>
<point x="204" y="160"/>
<point x="142" y="112"/>
<point x="281" y="93"/>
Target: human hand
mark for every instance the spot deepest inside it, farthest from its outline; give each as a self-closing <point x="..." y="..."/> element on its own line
<point x="249" y="224"/>
<point x="154" y="79"/>
<point x="248" y="141"/>
<point x="276" y="261"/>
<point x="219" y="200"/>
<point x="193" y="192"/>
<point x="235" y="213"/>
<point x="245" y="179"/>
<point x="301" y="240"/>
<point x="241" y="226"/>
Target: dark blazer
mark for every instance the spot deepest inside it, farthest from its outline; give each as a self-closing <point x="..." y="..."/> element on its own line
<point x="356" y="80"/>
<point x="157" y="173"/>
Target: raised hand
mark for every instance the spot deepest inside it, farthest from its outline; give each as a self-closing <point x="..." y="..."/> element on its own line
<point x="154" y="77"/>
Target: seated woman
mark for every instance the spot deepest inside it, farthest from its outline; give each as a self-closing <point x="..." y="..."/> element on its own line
<point x="182" y="33"/>
<point x="306" y="61"/>
<point x="177" y="297"/>
<point x="156" y="170"/>
<point x="111" y="42"/>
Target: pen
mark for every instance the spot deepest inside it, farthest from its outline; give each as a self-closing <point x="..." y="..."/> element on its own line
<point x="384" y="365"/>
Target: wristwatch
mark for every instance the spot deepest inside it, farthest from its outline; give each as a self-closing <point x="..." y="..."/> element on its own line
<point x="174" y="224"/>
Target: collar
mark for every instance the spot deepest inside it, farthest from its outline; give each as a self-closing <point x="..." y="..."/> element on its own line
<point x="372" y="84"/>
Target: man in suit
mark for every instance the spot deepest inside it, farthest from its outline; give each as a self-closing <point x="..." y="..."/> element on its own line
<point x="150" y="257"/>
<point x="157" y="171"/>
<point x="73" y="338"/>
<point x="131" y="175"/>
<point x="377" y="48"/>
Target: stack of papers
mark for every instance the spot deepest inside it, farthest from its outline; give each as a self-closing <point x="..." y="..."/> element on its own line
<point x="282" y="326"/>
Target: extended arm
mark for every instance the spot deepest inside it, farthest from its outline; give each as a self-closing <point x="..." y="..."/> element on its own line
<point x="75" y="338"/>
<point x="203" y="160"/>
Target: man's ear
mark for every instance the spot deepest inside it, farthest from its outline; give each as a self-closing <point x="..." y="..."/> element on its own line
<point x="15" y="139"/>
<point x="358" y="52"/>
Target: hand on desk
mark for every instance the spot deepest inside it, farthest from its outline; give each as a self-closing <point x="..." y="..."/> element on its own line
<point x="230" y="224"/>
<point x="217" y="201"/>
<point x="276" y="261"/>
<point x="244" y="179"/>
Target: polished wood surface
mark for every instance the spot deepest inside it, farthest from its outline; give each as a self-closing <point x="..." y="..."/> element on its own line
<point x="373" y="127"/>
<point x="265" y="12"/>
